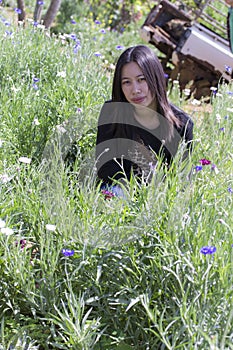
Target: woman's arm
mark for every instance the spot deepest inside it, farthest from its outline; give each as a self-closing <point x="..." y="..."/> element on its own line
<point x="110" y="160"/>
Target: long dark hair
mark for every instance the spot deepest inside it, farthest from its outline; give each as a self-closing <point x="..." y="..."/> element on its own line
<point x="154" y="74"/>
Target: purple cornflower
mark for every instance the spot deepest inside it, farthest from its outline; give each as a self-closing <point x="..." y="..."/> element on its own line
<point x="208" y="250"/>
<point x="97" y="21"/>
<point x="222" y="129"/>
<point x="40" y="2"/>
<point x="36" y="80"/>
<point x="230" y="190"/>
<point x="198" y="168"/>
<point x="204" y="161"/>
<point x="19" y="11"/>
<point x="97" y="54"/>
<point x="103" y="31"/>
<point x="72" y="21"/>
<point x="108" y="194"/>
<point x="35" y="24"/>
<point x="67" y="252"/>
<point x="22" y="243"/>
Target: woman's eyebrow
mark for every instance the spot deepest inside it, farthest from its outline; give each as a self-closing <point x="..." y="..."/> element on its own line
<point x="137" y="76"/>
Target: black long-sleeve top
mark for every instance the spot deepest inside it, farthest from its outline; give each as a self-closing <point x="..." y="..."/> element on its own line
<point x="125" y="147"/>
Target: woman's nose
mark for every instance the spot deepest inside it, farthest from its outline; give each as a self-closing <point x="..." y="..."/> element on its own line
<point x="136" y="88"/>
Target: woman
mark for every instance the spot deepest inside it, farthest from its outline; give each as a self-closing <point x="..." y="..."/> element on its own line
<point x="139" y="126"/>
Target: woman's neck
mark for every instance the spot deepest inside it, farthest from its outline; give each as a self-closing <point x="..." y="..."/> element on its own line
<point x="147" y="117"/>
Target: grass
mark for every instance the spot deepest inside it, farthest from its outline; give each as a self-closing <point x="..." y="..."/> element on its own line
<point x="134" y="277"/>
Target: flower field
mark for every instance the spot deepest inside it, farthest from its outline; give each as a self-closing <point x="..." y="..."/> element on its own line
<point x="83" y="269"/>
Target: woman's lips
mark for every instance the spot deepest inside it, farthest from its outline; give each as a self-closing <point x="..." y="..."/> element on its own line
<point x="138" y="100"/>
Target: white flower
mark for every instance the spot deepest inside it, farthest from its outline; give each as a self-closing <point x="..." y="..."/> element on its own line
<point x="195" y="102"/>
<point x="2" y="223"/>
<point x="218" y="117"/>
<point x="187" y="92"/>
<point x="25" y="160"/>
<point x="7" y="231"/>
<point x="61" y="129"/>
<point x="1" y="143"/>
<point x="4" y="178"/>
<point x="14" y="89"/>
<point x="36" y="122"/>
<point x="50" y="227"/>
<point x="61" y="74"/>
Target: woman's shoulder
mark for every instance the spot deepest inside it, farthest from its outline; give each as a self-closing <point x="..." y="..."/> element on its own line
<point x="115" y="112"/>
<point x="184" y="118"/>
<point x="181" y="114"/>
<point x="186" y="125"/>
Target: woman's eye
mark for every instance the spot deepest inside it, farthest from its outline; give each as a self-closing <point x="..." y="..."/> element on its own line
<point x="141" y="79"/>
<point x="125" y="82"/>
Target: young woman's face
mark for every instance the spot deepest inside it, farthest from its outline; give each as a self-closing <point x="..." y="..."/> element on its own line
<point x="134" y="86"/>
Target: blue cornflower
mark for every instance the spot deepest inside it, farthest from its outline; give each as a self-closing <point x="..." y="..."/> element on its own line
<point x="40" y="2"/>
<point x="35" y="86"/>
<point x="230" y="190"/>
<point x="97" y="21"/>
<point x="208" y="250"/>
<point x="230" y="92"/>
<point x="36" y="80"/>
<point x="228" y="69"/>
<point x="76" y="47"/>
<point x="198" y="167"/>
<point x="7" y="23"/>
<point x="72" y="21"/>
<point x="19" y="11"/>
<point x="97" y="54"/>
<point x="103" y="31"/>
<point x="120" y="47"/>
<point x="222" y="129"/>
<point x="35" y="24"/>
<point x="67" y="252"/>
<point x="73" y="36"/>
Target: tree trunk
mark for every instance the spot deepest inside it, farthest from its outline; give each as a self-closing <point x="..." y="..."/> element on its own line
<point x="38" y="11"/>
<point x="51" y="13"/>
<point x="22" y="14"/>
